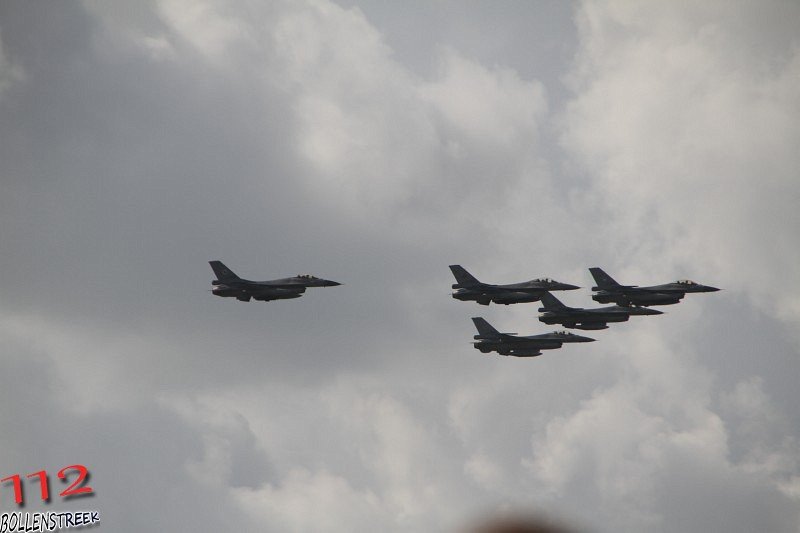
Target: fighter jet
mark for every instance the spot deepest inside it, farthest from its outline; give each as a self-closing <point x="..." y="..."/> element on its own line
<point x="469" y="288"/>
<point x="609" y="291"/>
<point x="555" y="312"/>
<point x="230" y="285"/>
<point x="489" y="339"/>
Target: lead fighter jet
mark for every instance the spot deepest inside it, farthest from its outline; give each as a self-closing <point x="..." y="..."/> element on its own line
<point x="489" y="339"/>
<point x="555" y="312"/>
<point x="609" y="291"/>
<point x="469" y="288"/>
<point x="229" y="285"/>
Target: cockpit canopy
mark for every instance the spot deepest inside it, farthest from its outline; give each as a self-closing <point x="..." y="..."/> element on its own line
<point x="306" y="276"/>
<point x="686" y="282"/>
<point x="563" y="333"/>
<point x="544" y="280"/>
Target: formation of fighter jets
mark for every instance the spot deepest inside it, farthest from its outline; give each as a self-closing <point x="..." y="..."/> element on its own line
<point x="629" y="300"/>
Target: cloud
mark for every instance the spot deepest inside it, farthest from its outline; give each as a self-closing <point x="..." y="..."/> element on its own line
<point x="290" y="137"/>
<point x="348" y="456"/>
<point x="491" y="107"/>
<point x="208" y="26"/>
<point x="684" y="121"/>
<point x="624" y="451"/>
<point x="10" y="73"/>
<point x="137" y="453"/>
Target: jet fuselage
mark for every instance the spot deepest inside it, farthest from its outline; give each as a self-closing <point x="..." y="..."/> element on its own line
<point x="609" y="291"/>
<point x="230" y="285"/>
<point x="468" y="288"/>
<point x="555" y="312"/>
<point x="489" y="339"/>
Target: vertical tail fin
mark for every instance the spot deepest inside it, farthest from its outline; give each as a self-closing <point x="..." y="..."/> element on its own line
<point x="223" y="273"/>
<point x="551" y="303"/>
<point x="464" y="278"/>
<point x="602" y="279"/>
<point x="484" y="328"/>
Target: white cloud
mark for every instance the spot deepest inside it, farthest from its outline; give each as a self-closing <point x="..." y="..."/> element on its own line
<point x="483" y="471"/>
<point x="764" y="442"/>
<point x="10" y="72"/>
<point x="381" y="141"/>
<point x="209" y="26"/>
<point x="489" y="107"/>
<point x="319" y="501"/>
<point x="90" y="365"/>
<point x="347" y="457"/>
<point x="619" y="453"/>
<point x="359" y="128"/>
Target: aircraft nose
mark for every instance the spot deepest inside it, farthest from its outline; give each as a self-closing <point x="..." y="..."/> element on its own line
<point x="711" y="289"/>
<point x="568" y="287"/>
<point x="329" y="283"/>
<point x="648" y="311"/>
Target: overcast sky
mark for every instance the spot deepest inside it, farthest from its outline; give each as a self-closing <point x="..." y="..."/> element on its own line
<point x="375" y="143"/>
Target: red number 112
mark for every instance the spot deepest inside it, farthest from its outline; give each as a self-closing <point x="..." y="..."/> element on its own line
<point x="76" y="488"/>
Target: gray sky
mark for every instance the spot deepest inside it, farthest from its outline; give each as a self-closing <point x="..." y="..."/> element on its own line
<point x="374" y="144"/>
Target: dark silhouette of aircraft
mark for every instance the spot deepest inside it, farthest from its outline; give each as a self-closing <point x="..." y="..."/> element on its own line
<point x="489" y="339"/>
<point x="469" y="288"/>
<point x="555" y="312"/>
<point x="609" y="291"/>
<point x="229" y="285"/>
